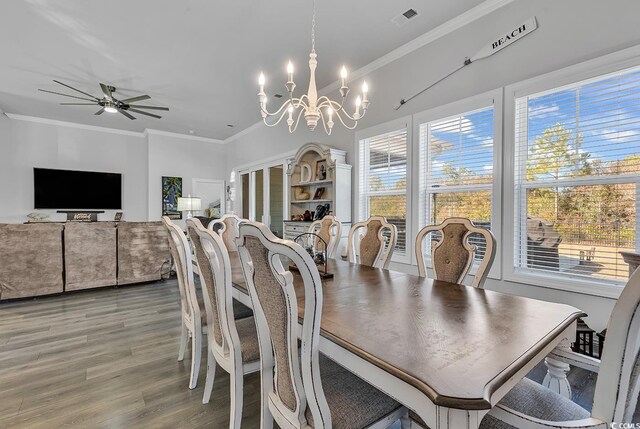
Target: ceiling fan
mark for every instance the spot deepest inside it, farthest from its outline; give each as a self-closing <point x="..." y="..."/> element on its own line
<point x="109" y="103"/>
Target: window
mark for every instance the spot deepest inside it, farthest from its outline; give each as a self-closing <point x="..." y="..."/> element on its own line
<point x="383" y="181"/>
<point x="457" y="171"/>
<point x="577" y="166"/>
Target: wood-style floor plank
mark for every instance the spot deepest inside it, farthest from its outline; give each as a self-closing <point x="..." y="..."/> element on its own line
<point x="106" y="358"/>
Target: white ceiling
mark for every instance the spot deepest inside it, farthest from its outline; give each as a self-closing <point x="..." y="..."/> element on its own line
<point x="199" y="58"/>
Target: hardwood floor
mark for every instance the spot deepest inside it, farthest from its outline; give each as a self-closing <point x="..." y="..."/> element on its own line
<point x="107" y="358"/>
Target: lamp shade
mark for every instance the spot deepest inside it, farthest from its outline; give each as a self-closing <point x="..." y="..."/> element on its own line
<point x="189" y="203"/>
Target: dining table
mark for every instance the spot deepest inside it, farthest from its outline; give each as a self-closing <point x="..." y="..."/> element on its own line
<point x="448" y="352"/>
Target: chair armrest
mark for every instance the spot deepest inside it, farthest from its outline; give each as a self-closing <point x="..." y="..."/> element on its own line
<point x="520" y="420"/>
<point x="575" y="359"/>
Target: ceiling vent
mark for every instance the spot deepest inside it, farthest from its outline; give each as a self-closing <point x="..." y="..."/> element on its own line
<point x="404" y="17"/>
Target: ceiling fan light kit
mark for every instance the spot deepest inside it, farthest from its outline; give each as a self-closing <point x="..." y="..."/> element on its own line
<point x="109" y="103"/>
<point x="315" y="109"/>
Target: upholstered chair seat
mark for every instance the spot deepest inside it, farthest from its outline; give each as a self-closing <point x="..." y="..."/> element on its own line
<point x="249" y="346"/>
<point x="532" y="399"/>
<point x="353" y="402"/>
<point x="240" y="311"/>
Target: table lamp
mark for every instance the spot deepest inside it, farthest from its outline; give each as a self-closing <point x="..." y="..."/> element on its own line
<point x="189" y="204"/>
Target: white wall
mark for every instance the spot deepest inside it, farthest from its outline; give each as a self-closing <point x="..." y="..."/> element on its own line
<point x="141" y="159"/>
<point x="187" y="159"/>
<point x="30" y="144"/>
<point x="570" y="31"/>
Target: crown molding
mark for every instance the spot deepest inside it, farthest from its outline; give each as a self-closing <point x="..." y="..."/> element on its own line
<point x="143" y="134"/>
<point x="151" y="131"/>
<point x="245" y="131"/>
<point x="430" y="36"/>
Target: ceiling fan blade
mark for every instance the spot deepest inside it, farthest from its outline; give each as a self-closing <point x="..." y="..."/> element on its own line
<point x="106" y="91"/>
<point x="66" y="95"/>
<point x="134" y="99"/>
<point x="144" y="113"/>
<point x="99" y="112"/>
<point x="77" y="104"/>
<point x="126" y="114"/>
<point x="75" y="89"/>
<point x="135" y="106"/>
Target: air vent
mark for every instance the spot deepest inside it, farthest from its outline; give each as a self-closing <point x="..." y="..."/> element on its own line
<point x="404" y="17"/>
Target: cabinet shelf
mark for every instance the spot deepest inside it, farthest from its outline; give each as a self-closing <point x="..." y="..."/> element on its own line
<point x="310" y="201"/>
<point x="316" y="182"/>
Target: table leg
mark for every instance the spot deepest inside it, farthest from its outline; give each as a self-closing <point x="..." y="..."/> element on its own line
<point x="556" y="378"/>
<point x="449" y="418"/>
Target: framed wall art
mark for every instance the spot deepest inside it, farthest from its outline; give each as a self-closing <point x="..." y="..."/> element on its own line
<point x="171" y="191"/>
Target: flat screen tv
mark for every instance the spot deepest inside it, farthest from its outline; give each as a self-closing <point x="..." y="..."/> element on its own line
<point x="76" y="190"/>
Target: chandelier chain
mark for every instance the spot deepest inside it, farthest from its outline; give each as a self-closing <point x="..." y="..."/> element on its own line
<point x="313" y="27"/>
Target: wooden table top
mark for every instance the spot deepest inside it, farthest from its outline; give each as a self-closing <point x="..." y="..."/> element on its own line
<point x="456" y="344"/>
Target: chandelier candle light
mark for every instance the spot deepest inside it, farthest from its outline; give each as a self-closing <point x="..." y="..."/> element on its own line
<point x="313" y="107"/>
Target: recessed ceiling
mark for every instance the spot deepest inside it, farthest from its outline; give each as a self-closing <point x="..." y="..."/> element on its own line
<point x="201" y="59"/>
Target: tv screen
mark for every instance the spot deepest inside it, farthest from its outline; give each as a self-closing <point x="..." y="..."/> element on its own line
<point x="82" y="190"/>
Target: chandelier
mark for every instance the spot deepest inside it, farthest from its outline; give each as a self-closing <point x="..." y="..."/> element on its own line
<point x="315" y="109"/>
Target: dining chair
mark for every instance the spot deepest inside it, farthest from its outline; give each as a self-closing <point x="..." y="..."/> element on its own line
<point x="529" y="405"/>
<point x="191" y="314"/>
<point x="453" y="254"/>
<point x="375" y="247"/>
<point x="301" y="388"/>
<point x="233" y="344"/>
<point x="329" y="229"/>
<point x="227" y="228"/>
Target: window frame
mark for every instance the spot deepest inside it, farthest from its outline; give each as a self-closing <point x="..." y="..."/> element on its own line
<point x="556" y="80"/>
<point x="490" y="98"/>
<point x="376" y="130"/>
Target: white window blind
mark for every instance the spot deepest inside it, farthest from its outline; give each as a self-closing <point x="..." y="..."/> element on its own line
<point x="456" y="171"/>
<point x="383" y="181"/>
<point x="577" y="169"/>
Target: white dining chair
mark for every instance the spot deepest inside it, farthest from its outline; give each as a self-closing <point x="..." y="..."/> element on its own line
<point x="191" y="313"/>
<point x="330" y="230"/>
<point x="227" y="227"/>
<point x="375" y="247"/>
<point x="453" y="254"/>
<point x="233" y="344"/>
<point x="532" y="406"/>
<point x="301" y="388"/>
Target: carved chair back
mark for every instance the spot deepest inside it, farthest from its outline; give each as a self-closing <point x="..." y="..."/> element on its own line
<point x="181" y="253"/>
<point x="330" y="230"/>
<point x="290" y="380"/>
<point x="227" y="227"/>
<point x="453" y="254"/>
<point x="215" y="277"/>
<point x="618" y="383"/>
<point x="375" y="247"/>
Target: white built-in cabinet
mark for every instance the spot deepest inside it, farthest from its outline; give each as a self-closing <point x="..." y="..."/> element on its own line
<point x="309" y="187"/>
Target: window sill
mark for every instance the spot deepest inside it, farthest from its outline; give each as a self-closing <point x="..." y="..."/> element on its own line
<point x="604" y="288"/>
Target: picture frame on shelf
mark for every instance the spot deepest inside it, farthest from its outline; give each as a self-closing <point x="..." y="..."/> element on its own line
<point x="321" y="170"/>
<point x="319" y="193"/>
